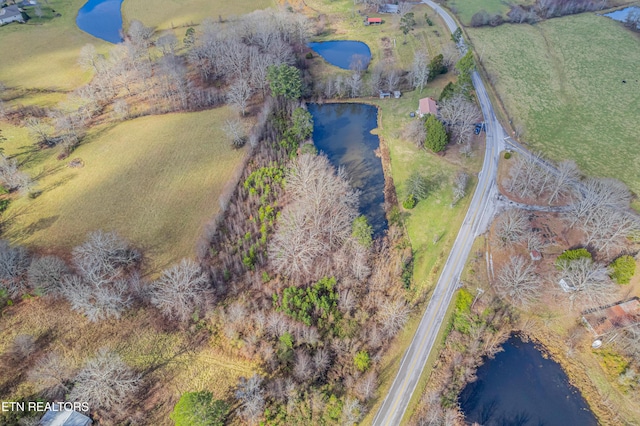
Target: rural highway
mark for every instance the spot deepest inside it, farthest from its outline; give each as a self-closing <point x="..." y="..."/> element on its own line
<point x="479" y="215"/>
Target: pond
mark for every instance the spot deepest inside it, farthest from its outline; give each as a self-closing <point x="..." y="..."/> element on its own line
<point x="520" y="387"/>
<point x="343" y="133"/>
<point x="101" y="19"/>
<point x="622" y="14"/>
<point x="345" y="54"/>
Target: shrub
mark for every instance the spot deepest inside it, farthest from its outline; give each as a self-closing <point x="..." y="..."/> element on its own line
<point x="4" y="204"/>
<point x="569" y="255"/>
<point x="622" y="269"/>
<point x="362" y="361"/>
<point x="410" y="202"/>
<point x="507" y="155"/>
<point x="436" y="134"/>
<point x="199" y="409"/>
<point x="362" y="231"/>
<point x="461" y="319"/>
<point x="316" y="304"/>
<point x="309" y="55"/>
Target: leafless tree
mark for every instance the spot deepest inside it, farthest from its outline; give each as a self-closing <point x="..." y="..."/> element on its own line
<point x="139" y="35"/>
<point x="392" y="79"/>
<point x="562" y="185"/>
<point x="321" y="362"/>
<point x="415" y="132"/>
<point x="355" y="84"/>
<point x="393" y="315"/>
<point x="366" y="387"/>
<point x="517" y="281"/>
<point x="404" y="7"/>
<point x="96" y="300"/>
<point x="329" y="88"/>
<point x="105" y="382"/>
<point x="511" y="227"/>
<point x="235" y="132"/>
<point x="180" y="291"/>
<point x="302" y="366"/>
<point x="51" y="374"/>
<point x="461" y="115"/>
<point x="316" y="222"/>
<point x="22" y="347"/>
<point x="167" y="43"/>
<point x="250" y="395"/>
<point x="40" y="130"/>
<point x="420" y="70"/>
<point x="600" y="193"/>
<point x="103" y="257"/>
<point x="11" y="177"/>
<point x="238" y="94"/>
<point x="14" y="262"/>
<point x="460" y="187"/>
<point x="588" y="281"/>
<point x="376" y="79"/>
<point x="450" y="55"/>
<point x="47" y="273"/>
<point x="352" y="411"/>
<point x="121" y="109"/>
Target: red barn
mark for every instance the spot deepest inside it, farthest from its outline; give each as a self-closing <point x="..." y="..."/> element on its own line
<point x="371" y="21"/>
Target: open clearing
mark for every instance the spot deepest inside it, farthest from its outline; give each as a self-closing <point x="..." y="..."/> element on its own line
<point x="465" y="9"/>
<point x="562" y="80"/>
<point x="167" y="14"/>
<point x="155" y="180"/>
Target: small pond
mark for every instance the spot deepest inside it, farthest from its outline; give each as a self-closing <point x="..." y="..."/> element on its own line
<point x="343" y="133"/>
<point x="345" y="54"/>
<point x="101" y="19"/>
<point x="622" y="14"/>
<point x="521" y="387"/>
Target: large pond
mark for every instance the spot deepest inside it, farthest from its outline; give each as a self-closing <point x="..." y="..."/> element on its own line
<point x="521" y="387"/>
<point x="343" y="133"/>
<point x="345" y="54"/>
<point x="622" y="14"/>
<point x="101" y="19"/>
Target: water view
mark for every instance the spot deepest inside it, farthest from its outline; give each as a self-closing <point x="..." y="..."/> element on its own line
<point x="622" y="14"/>
<point x="101" y="19"/>
<point x="343" y="133"/>
<point x="345" y="54"/>
<point x="521" y="387"/>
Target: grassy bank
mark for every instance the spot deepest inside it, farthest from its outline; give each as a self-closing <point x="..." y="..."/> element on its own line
<point x="45" y="54"/>
<point x="156" y="180"/>
<point x="562" y="81"/>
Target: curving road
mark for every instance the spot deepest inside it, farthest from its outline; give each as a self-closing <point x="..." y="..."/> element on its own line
<point x="479" y="215"/>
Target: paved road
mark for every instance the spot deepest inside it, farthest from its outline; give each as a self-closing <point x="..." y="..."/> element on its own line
<point x="476" y="222"/>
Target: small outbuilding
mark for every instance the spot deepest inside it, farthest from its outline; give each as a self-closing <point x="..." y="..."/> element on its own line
<point x="64" y="418"/>
<point x="427" y="106"/>
<point x="535" y="255"/>
<point x="385" y="94"/>
<point x="397" y="94"/>
<point x="373" y="21"/>
<point x="388" y="8"/>
<point x="10" y="14"/>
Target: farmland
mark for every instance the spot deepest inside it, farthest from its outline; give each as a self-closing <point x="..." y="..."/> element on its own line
<point x="155" y="180"/>
<point x="571" y="84"/>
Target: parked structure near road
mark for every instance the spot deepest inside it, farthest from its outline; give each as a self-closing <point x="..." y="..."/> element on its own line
<point x="10" y="14"/>
<point x="620" y="315"/>
<point x="427" y="106"/>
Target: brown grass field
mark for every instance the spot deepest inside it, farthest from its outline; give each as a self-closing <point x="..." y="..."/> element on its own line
<point x="155" y="180"/>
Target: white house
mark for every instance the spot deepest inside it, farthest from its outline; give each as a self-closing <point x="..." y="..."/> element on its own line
<point x="10" y="14"/>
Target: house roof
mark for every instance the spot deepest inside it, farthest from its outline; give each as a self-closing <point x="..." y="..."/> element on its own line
<point x="389" y="8"/>
<point x="427" y="106"/>
<point x="9" y="11"/>
<point x="619" y="315"/>
<point x="64" y="418"/>
<point x="376" y="20"/>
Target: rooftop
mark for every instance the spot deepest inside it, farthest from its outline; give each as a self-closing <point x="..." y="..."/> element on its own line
<point x="612" y="317"/>
<point x="427" y="106"/>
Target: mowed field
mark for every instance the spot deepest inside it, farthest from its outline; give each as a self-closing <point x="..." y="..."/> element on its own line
<point x="465" y="9"/>
<point x="574" y="85"/>
<point x="155" y="180"/>
<point x="44" y="56"/>
<point x="165" y="14"/>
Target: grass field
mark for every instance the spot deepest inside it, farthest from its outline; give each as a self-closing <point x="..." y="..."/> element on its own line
<point x="563" y="81"/>
<point x="45" y="55"/>
<point x="465" y="9"/>
<point x="175" y="13"/>
<point x="156" y="180"/>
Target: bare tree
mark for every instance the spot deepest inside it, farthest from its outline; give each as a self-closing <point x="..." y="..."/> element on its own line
<point x="238" y="94"/>
<point x="105" y="382"/>
<point x="562" y="185"/>
<point x="121" y="109"/>
<point x="46" y="274"/>
<point x="96" y="300"/>
<point x="528" y="177"/>
<point x="235" y="132"/>
<point x="450" y="55"/>
<point x="420" y="70"/>
<point x="167" y="43"/>
<point x="250" y="395"/>
<point x="51" y="375"/>
<point x="392" y="79"/>
<point x="376" y="79"/>
<point x="355" y="84"/>
<point x="460" y="187"/>
<point x="518" y="282"/>
<point x="316" y="222"/>
<point x="366" y="387"/>
<point x="393" y="315"/>
<point x="103" y="257"/>
<point x="511" y="227"/>
<point x="11" y="177"/>
<point x="588" y="282"/>
<point x="180" y="291"/>
<point x="302" y="366"/>
<point x="415" y="132"/>
<point x="461" y="115"/>
<point x="14" y="262"/>
<point x="40" y="130"/>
